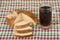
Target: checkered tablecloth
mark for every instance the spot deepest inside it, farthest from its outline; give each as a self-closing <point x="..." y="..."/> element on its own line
<point x="33" y="6"/>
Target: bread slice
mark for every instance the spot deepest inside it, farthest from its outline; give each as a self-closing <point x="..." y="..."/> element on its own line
<point x="22" y="29"/>
<point x="22" y="24"/>
<point x="25" y="17"/>
<point x="19" y="18"/>
<point x="28" y="15"/>
<point x="23" y="34"/>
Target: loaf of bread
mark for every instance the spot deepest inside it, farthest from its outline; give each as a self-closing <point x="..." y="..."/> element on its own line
<point x="21" y="21"/>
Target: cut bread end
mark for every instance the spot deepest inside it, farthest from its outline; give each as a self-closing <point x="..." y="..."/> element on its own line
<point x="9" y="22"/>
<point x="10" y="18"/>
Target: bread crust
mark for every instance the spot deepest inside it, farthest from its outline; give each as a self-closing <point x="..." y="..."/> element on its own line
<point x="24" y="31"/>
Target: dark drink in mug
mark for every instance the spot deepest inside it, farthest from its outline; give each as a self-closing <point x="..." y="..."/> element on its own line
<point x="45" y="16"/>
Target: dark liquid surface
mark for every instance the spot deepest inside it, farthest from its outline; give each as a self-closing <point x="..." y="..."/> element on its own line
<point x="45" y="16"/>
